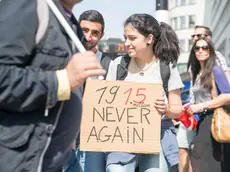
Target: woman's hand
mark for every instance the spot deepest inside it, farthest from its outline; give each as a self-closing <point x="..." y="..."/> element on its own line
<point x="160" y="105"/>
<point x="196" y="108"/>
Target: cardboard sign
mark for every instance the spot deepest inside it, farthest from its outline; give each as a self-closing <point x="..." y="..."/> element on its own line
<point x="120" y="116"/>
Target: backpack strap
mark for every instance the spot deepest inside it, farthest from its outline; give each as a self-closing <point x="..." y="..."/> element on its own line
<point x="122" y="71"/>
<point x="105" y="62"/>
<point x="165" y="75"/>
<point x="43" y="19"/>
<point x="122" y="68"/>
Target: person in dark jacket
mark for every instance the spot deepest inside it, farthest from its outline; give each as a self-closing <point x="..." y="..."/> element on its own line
<point x="40" y="87"/>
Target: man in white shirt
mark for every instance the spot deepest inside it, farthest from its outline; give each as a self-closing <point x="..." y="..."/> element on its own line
<point x="92" y="24"/>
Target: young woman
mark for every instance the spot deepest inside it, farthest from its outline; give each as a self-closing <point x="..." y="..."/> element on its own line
<point x="147" y="43"/>
<point x="206" y="153"/>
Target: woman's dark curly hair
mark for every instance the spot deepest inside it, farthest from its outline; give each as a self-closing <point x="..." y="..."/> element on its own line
<point x="166" y="44"/>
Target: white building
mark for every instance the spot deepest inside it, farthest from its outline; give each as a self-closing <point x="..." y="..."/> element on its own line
<point x="184" y="15"/>
<point x="217" y="17"/>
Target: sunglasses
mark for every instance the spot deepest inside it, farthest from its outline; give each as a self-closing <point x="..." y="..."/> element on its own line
<point x="204" y="48"/>
<point x="199" y="35"/>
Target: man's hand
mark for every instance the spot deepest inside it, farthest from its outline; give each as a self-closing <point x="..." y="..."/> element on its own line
<point x="81" y="66"/>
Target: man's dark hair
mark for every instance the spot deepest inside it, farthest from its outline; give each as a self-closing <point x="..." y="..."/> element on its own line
<point x="93" y="16"/>
<point x="207" y="30"/>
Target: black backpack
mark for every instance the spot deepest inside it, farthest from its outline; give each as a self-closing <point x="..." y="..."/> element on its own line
<point x="105" y="62"/>
<point x="164" y="70"/>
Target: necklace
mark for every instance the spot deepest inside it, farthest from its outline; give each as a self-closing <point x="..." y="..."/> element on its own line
<point x="143" y="70"/>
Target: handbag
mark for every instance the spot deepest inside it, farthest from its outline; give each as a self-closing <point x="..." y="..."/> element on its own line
<point x="220" y="125"/>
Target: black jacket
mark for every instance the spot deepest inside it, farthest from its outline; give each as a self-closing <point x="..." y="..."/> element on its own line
<point x="28" y="87"/>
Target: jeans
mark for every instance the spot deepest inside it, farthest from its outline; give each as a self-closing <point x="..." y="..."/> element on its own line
<point x="146" y="163"/>
<point x="73" y="164"/>
<point x="77" y="160"/>
<point x="95" y="162"/>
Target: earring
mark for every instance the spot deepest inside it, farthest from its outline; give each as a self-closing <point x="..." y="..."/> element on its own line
<point x="148" y="44"/>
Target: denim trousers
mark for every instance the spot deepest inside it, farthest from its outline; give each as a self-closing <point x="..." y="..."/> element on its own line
<point x="96" y="162"/>
<point x="74" y="164"/>
<point x="146" y="163"/>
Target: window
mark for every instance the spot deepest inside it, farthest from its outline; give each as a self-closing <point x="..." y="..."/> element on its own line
<point x="192" y="21"/>
<point x="182" y="46"/>
<point x="190" y="44"/>
<point x="174" y="23"/>
<point x="182" y="22"/>
<point x="183" y="2"/>
<point x="177" y="2"/>
<point x="173" y="4"/>
<point x="192" y="1"/>
<point x="182" y="67"/>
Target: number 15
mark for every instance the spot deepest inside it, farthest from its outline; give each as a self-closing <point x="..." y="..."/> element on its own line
<point x="141" y="96"/>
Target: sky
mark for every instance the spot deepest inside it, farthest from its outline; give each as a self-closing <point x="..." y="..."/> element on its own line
<point x="115" y="12"/>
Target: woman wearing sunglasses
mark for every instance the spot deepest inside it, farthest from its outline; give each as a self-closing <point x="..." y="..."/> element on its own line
<point x="206" y="152"/>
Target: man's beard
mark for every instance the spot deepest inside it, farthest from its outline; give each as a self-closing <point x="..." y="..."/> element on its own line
<point x="91" y="46"/>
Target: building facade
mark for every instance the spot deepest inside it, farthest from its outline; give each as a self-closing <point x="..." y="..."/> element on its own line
<point x="217" y="17"/>
<point x="184" y="16"/>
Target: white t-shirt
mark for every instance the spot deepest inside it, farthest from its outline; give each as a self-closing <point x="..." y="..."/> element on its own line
<point x="99" y="55"/>
<point x="152" y="75"/>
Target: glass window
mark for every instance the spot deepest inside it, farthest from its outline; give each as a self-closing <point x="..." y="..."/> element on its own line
<point x="192" y="21"/>
<point x="182" y="67"/>
<point x="182" y="22"/>
<point x="192" y="1"/>
<point x="174" y="23"/>
<point x="177" y="2"/>
<point x="182" y="46"/>
<point x="190" y="44"/>
<point x="183" y="2"/>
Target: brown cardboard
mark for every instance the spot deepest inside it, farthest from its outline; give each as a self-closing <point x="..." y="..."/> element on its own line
<point x="112" y="122"/>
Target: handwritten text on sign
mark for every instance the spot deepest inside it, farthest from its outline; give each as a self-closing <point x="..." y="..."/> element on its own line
<point x="120" y="116"/>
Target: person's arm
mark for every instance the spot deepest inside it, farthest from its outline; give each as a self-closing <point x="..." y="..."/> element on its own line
<point x="174" y="107"/>
<point x="26" y="88"/>
<point x="22" y="88"/>
<point x="228" y="75"/>
<point x="219" y="101"/>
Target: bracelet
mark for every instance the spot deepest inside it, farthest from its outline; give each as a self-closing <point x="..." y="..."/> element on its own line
<point x="206" y="107"/>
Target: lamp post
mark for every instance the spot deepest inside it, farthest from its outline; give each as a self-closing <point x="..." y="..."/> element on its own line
<point x="162" y="13"/>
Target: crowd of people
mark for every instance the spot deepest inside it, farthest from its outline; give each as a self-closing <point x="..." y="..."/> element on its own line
<point x="42" y="85"/>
